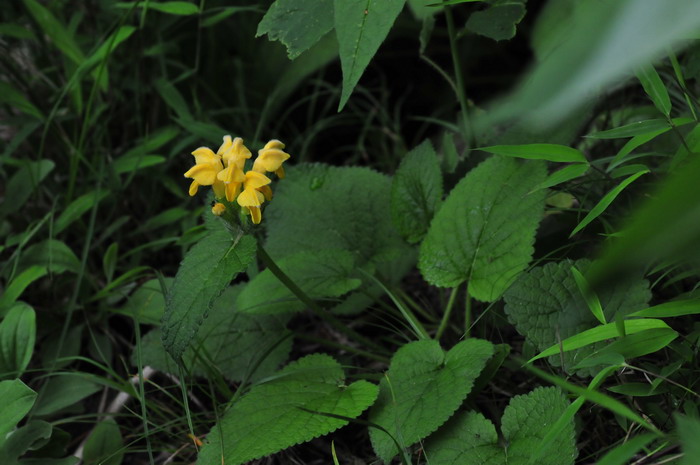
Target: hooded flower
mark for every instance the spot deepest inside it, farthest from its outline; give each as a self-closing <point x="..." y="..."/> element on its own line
<point x="270" y="158"/>
<point x="251" y="197"/>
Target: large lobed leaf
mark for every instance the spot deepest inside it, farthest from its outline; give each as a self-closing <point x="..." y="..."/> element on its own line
<point x="287" y="410"/>
<point x="470" y="439"/>
<point x="422" y="389"/>
<point x="204" y="273"/>
<point x="546" y="306"/>
<point x="485" y="230"/>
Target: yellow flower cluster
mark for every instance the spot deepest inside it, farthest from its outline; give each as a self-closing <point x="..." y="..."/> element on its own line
<point x="224" y="172"/>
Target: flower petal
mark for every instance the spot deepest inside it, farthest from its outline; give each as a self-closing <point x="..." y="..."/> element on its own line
<point x="193" y="188"/>
<point x="225" y="146"/>
<point x="204" y="174"/>
<point x="266" y="191"/>
<point x="219" y="189"/>
<point x="255" y="214"/>
<point x="253" y="179"/>
<point x="274" y="144"/>
<point x="231" y="174"/>
<point x="250" y="198"/>
<point x="232" y="190"/>
<point x="271" y="159"/>
<point x="205" y="155"/>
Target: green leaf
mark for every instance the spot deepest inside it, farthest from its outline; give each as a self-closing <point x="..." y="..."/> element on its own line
<point x="320" y="207"/>
<point x="639" y="128"/>
<point x="77" y="208"/>
<point x="670" y="309"/>
<point x="416" y="192"/>
<point x="31" y="436"/>
<point x="171" y="8"/>
<point x="563" y="175"/>
<point x="128" y="164"/>
<point x="689" y="431"/>
<point x="17" y="31"/>
<point x="298" y="24"/>
<point x="644" y="342"/>
<point x="204" y="273"/>
<point x="12" y="97"/>
<point x="146" y="304"/>
<point x="287" y="410"/>
<point x="546" y="306"/>
<point x="470" y="439"/>
<point x="53" y="28"/>
<point x="325" y="273"/>
<point x="17" y="336"/>
<point x="174" y="99"/>
<point x="422" y="389"/>
<point x="62" y="391"/>
<point x="605" y="202"/>
<point x="17" y="286"/>
<point x="22" y="184"/>
<point x="361" y="26"/>
<point x="655" y="89"/>
<point x="485" y="230"/>
<point x="104" y="445"/>
<point x="53" y="254"/>
<point x="625" y="452"/>
<point x="589" y="296"/>
<point x="548" y="152"/>
<point x="229" y="341"/>
<point x="17" y="400"/>
<point x="498" y="21"/>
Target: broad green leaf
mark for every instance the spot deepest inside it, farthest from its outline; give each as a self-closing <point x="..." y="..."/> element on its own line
<point x="670" y="309"/>
<point x="361" y="26"/>
<point x="286" y="410"/>
<point x="63" y="391"/>
<point x="563" y="175"/>
<point x="298" y="24"/>
<point x="17" y="286"/>
<point x="320" y="207"/>
<point x="589" y="296"/>
<point x="12" y="97"/>
<point x="56" y="31"/>
<point x="548" y="152"/>
<point x="644" y="342"/>
<point x="485" y="230"/>
<point x="17" y="400"/>
<point x="498" y="21"/>
<point x="689" y="430"/>
<point x="17" y="336"/>
<point x="22" y="184"/>
<point x="627" y="451"/>
<point x="104" y="445"/>
<point x="229" y="341"/>
<point x="127" y="164"/>
<point x="53" y="254"/>
<point x="655" y="88"/>
<point x="546" y="306"/>
<point x="470" y="439"/>
<point x="77" y="208"/>
<point x="171" y="8"/>
<point x="325" y="273"/>
<point x="204" y="273"/>
<point x="416" y="192"/>
<point x="422" y="389"/>
<point x="599" y="333"/>
<point x="605" y="202"/>
<point x="31" y="436"/>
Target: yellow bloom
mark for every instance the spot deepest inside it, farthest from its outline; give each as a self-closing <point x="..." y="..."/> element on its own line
<point x="270" y="158"/>
<point x="218" y="209"/>
<point x="234" y="155"/>
<point x="251" y="198"/>
<point x="204" y="172"/>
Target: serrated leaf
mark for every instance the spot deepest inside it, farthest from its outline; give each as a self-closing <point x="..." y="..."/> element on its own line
<point x="286" y="411"/>
<point x="546" y="306"/>
<point x="321" y="207"/>
<point x="485" y="230"/>
<point x="229" y="341"/>
<point x="17" y="400"/>
<point x="548" y="152"/>
<point x="298" y="24"/>
<point x="361" y="26"/>
<point x="416" y="192"/>
<point x="498" y="21"/>
<point x="470" y="439"/>
<point x="422" y="389"/>
<point x="17" y="336"/>
<point x="204" y="273"/>
<point x="325" y="273"/>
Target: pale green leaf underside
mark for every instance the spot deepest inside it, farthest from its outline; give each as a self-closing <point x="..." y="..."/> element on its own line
<point x="485" y="230"/>
<point x="280" y="413"/>
<point x="425" y="386"/>
<point x="206" y="270"/>
<point x="470" y="439"/>
<point x="416" y="192"/>
<point x="361" y="26"/>
<point x="298" y="24"/>
<point x="325" y="273"/>
<point x="546" y="306"/>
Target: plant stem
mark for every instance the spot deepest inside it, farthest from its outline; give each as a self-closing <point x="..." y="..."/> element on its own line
<point x="447" y="313"/>
<point x="459" y="80"/>
<point x="313" y="306"/>
<point x="467" y="313"/>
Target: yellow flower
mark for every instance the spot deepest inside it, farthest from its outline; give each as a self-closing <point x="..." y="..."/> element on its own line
<point x="251" y="198"/>
<point x="270" y="158"/>
<point x="207" y="166"/>
<point x="218" y="209"/>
